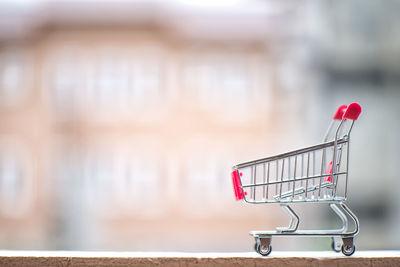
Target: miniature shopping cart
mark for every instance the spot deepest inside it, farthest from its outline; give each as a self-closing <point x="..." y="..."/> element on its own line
<point x="316" y="174"/>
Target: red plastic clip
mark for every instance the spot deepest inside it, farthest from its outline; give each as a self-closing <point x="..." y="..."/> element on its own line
<point x="329" y="171"/>
<point x="236" y="185"/>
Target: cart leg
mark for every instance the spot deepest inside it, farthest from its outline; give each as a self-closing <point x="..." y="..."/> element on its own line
<point x="263" y="245"/>
<point x="353" y="217"/>
<point x="341" y="215"/>
<point x="348" y="247"/>
<point x="294" y="220"/>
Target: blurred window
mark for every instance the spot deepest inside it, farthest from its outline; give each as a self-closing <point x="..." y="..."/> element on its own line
<point x="223" y="84"/>
<point x="65" y="75"/>
<point x="14" y="77"/>
<point x="65" y="85"/>
<point x="106" y="82"/>
<point x="219" y="80"/>
<point x="205" y="185"/>
<point x="120" y="81"/>
<point x="118" y="183"/>
<point x="138" y="181"/>
<point x="146" y="85"/>
<point x="233" y="81"/>
<point x="14" y="184"/>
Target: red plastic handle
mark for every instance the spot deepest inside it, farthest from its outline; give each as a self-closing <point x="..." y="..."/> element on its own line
<point x="339" y="112"/>
<point x="236" y="185"/>
<point x="352" y="111"/>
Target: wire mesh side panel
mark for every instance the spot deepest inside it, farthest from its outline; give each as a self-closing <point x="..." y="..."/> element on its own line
<point x="304" y="176"/>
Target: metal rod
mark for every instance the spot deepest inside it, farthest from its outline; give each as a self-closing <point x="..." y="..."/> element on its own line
<point x="264" y="180"/>
<point x="294" y="220"/>
<point x="252" y="182"/>
<point x="288" y="174"/>
<point x="277" y="175"/>
<point x="334" y="176"/>
<point x="266" y="197"/>
<point x="341" y="215"/>
<point x="322" y="171"/>
<point x="308" y="169"/>
<point x="288" y="154"/>
<point x="302" y="168"/>
<point x="313" y="181"/>
<point x="294" y="175"/>
<point x="328" y="131"/>
<point x="281" y="183"/>
<point x="354" y="217"/>
<point x="347" y="169"/>
<point x="291" y="180"/>
<point x="301" y="190"/>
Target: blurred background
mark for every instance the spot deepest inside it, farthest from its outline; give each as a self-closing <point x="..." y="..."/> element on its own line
<point x="120" y="120"/>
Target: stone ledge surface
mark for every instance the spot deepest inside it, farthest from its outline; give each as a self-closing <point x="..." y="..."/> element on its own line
<point x="277" y="258"/>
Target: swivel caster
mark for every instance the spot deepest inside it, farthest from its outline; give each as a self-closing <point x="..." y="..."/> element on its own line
<point x="263" y="246"/>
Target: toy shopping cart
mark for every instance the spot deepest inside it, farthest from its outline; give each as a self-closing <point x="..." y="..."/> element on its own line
<point x="316" y="174"/>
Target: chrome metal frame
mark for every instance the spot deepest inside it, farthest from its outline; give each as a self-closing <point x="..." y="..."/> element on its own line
<point x="308" y="187"/>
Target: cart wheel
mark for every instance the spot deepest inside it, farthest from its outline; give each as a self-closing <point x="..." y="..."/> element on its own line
<point x="336" y="245"/>
<point x="348" y="250"/>
<point x="263" y="250"/>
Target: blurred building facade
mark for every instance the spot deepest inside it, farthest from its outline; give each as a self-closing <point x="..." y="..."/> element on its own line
<point x="119" y="124"/>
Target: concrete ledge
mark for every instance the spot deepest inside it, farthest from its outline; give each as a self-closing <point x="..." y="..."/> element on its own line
<point x="298" y="258"/>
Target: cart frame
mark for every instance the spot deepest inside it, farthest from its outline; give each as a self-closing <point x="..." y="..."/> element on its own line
<point x="306" y="183"/>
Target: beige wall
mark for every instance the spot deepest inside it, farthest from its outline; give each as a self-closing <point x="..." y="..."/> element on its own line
<point x="127" y="132"/>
